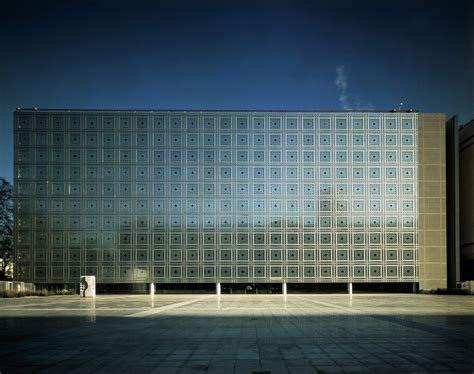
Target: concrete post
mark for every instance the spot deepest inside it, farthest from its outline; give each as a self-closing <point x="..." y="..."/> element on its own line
<point x="283" y="288"/>
<point x="218" y="288"/>
<point x="87" y="286"/>
<point x="349" y="288"/>
<point x="152" y="289"/>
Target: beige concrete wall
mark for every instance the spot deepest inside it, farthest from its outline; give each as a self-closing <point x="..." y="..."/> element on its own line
<point x="432" y="201"/>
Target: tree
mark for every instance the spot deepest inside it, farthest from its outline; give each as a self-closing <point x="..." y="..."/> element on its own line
<point x="6" y="229"/>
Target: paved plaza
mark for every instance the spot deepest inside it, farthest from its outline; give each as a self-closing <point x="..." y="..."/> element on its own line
<point x="304" y="333"/>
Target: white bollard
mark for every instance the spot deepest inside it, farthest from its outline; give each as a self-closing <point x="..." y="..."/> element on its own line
<point x="152" y="289"/>
<point x="349" y="288"/>
<point x="218" y="288"/>
<point x="283" y="288"/>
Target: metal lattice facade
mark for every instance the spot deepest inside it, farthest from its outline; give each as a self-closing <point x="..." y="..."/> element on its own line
<point x="214" y="196"/>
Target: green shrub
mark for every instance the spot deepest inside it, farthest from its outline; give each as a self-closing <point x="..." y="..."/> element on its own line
<point x="450" y="291"/>
<point x="41" y="292"/>
<point x="7" y="294"/>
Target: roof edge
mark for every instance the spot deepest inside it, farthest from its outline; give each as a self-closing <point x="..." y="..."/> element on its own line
<point x="62" y="110"/>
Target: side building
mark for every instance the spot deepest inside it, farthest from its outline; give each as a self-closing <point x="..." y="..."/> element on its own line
<point x="466" y="209"/>
<point x="230" y="197"/>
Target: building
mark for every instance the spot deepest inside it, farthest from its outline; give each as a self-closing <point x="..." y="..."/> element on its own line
<point x="452" y="204"/>
<point x="466" y="206"/>
<point x="230" y="197"/>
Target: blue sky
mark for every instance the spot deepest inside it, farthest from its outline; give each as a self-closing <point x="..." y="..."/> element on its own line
<point x="234" y="55"/>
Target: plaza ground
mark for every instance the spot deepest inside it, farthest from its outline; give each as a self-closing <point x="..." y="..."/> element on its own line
<point x="238" y="334"/>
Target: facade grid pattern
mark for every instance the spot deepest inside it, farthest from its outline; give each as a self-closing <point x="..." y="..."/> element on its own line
<point x="170" y="196"/>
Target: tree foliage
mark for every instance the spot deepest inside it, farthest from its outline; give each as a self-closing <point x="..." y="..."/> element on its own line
<point x="6" y="228"/>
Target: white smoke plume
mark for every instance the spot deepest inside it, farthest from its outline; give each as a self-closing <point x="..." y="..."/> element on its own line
<point x="344" y="97"/>
<point x="341" y="83"/>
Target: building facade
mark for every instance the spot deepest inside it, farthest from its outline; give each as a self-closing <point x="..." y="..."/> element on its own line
<point x="230" y="197"/>
<point x="466" y="206"/>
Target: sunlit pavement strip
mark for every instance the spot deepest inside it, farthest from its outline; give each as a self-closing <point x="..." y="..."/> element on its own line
<point x="338" y="307"/>
<point x="147" y="313"/>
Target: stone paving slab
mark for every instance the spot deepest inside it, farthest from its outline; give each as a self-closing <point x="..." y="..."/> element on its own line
<point x="238" y="334"/>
